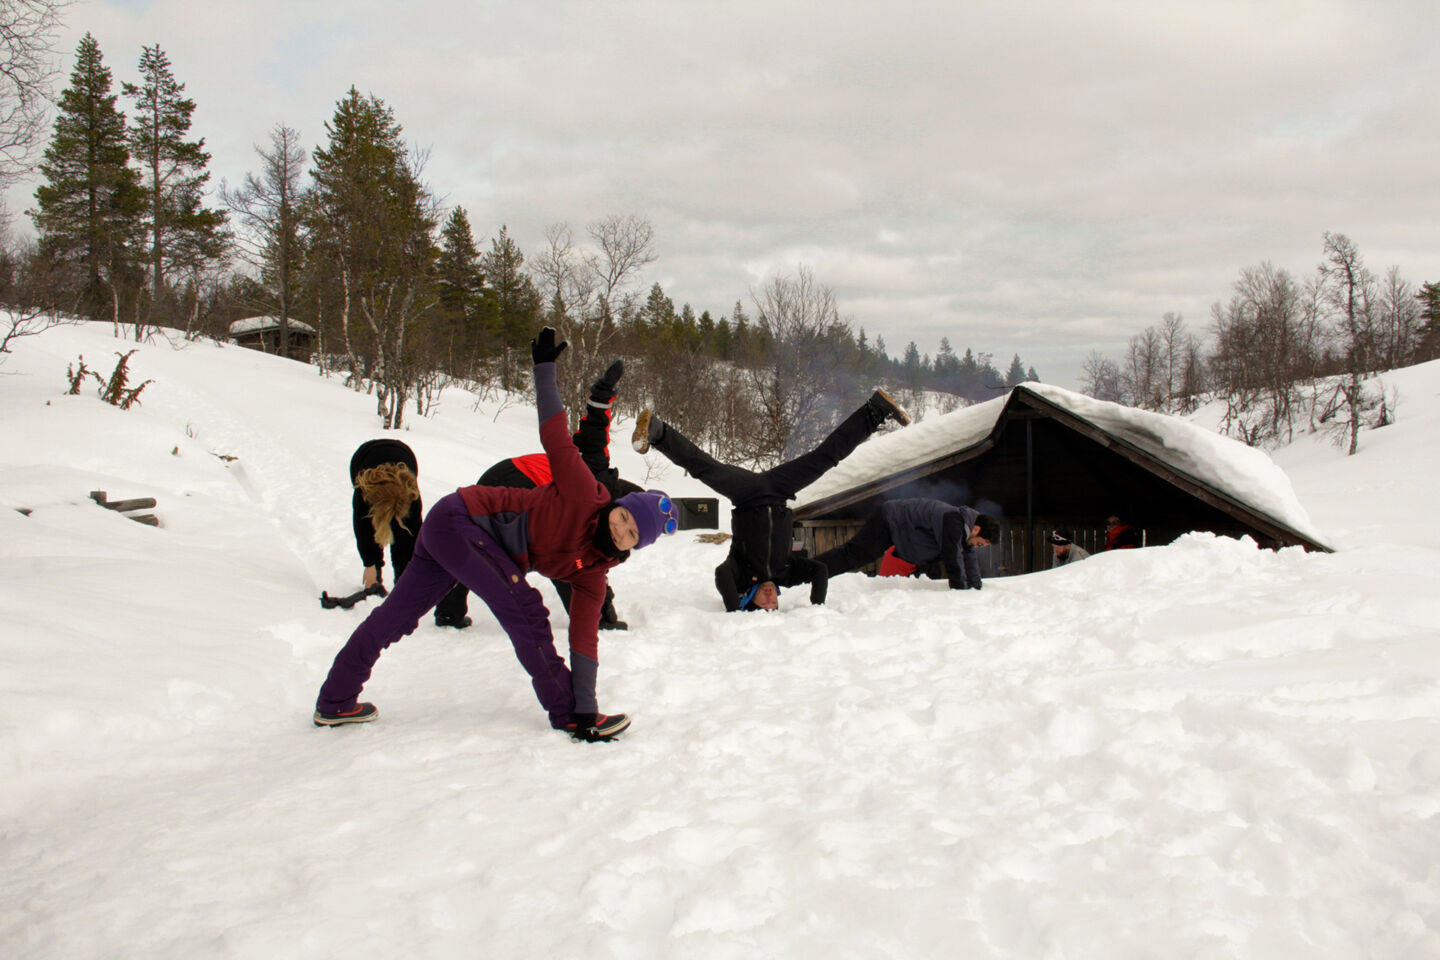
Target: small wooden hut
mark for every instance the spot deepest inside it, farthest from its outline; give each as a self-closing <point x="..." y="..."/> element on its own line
<point x="263" y="334"/>
<point x="1043" y="459"/>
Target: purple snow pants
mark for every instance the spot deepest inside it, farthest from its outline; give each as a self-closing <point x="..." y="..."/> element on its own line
<point x="452" y="548"/>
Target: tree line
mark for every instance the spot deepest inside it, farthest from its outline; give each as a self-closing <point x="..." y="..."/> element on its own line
<point x="1283" y="352"/>
<point x="352" y="241"/>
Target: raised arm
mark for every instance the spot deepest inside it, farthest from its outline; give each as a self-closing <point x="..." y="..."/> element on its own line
<point x="567" y="470"/>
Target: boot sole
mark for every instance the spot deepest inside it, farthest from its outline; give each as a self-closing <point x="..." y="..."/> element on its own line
<point x="613" y="731"/>
<point x="640" y="439"/>
<point x="617" y="729"/>
<point x="897" y="411"/>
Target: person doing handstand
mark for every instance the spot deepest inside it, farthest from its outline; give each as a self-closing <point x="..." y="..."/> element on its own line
<point x="761" y="560"/>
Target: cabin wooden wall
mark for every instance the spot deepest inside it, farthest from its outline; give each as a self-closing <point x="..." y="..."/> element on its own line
<point x="268" y="341"/>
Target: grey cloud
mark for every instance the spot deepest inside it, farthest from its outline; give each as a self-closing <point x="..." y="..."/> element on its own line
<point x="1047" y="177"/>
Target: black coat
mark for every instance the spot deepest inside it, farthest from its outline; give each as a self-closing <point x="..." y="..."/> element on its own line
<point x="763" y="540"/>
<point x="373" y="453"/>
<point x="734" y="580"/>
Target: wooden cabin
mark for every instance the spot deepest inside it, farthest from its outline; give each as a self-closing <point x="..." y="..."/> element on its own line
<point x="1043" y="459"/>
<point x="263" y="334"/>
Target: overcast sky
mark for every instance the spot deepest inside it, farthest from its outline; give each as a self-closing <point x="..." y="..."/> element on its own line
<point x="1044" y="178"/>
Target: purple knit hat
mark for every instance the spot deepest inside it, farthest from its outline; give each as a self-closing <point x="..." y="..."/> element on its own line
<point x="654" y="513"/>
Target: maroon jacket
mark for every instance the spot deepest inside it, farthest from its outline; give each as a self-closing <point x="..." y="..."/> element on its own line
<point x="552" y="527"/>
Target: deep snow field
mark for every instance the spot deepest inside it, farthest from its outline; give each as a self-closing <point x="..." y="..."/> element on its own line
<point x="1203" y="750"/>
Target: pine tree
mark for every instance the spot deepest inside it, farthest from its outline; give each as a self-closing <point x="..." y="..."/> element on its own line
<point x="183" y="234"/>
<point x="1429" y="345"/>
<point x="512" y="298"/>
<point x="371" y="222"/>
<point x="659" y="310"/>
<point x="88" y="209"/>
<point x="912" y="371"/>
<point x="460" y="285"/>
<point x="458" y="267"/>
<point x="1016" y="374"/>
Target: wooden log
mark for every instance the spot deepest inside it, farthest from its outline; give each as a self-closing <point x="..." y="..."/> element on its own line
<point x="123" y="506"/>
<point x="139" y="503"/>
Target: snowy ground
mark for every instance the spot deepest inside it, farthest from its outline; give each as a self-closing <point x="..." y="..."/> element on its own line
<point x="1203" y="750"/>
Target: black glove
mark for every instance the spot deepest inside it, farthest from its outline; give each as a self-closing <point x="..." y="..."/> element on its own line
<point x="584" y="730"/>
<point x="603" y="390"/>
<point x="544" y="349"/>
<point x="613" y="373"/>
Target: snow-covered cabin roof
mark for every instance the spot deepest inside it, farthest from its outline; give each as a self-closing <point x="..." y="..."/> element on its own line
<point x="256" y="324"/>
<point x="1235" y="471"/>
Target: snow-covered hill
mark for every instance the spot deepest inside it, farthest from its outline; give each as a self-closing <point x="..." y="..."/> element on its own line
<point x="1202" y="750"/>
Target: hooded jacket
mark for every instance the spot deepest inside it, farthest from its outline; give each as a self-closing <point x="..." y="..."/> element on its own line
<point x="374" y="453"/>
<point x="925" y="530"/>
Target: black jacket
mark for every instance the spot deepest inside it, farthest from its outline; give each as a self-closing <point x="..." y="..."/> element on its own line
<point x="734" y="580"/>
<point x="373" y="453"/>
<point x="763" y="540"/>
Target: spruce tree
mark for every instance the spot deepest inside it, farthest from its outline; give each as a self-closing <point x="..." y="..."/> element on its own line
<point x="371" y="220"/>
<point x="1429" y="345"/>
<point x="88" y="209"/>
<point x="458" y="266"/>
<point x="1016" y="374"/>
<point x="516" y="302"/>
<point x="182" y="233"/>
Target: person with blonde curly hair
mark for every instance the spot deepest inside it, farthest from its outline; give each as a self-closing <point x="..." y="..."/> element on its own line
<point x="386" y="511"/>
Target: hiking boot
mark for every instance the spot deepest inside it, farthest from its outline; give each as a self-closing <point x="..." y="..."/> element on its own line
<point x="459" y="623"/>
<point x="614" y="625"/>
<point x="642" y="437"/>
<point x="885" y="408"/>
<point x="363" y="713"/>
<point x="596" y="727"/>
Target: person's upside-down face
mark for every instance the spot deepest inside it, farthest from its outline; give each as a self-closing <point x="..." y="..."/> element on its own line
<point x="623" y="529"/>
<point x="767" y="597"/>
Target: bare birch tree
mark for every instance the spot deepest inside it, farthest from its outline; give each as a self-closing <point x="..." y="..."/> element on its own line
<point x="27" y="67"/>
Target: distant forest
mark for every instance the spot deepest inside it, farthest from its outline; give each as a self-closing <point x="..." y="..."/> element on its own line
<point x="395" y="293"/>
<point x="351" y="241"/>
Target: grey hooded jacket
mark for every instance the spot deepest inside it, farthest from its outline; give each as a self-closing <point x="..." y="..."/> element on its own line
<point x="925" y="530"/>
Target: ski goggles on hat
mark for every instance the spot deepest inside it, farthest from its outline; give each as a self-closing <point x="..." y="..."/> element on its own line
<point x="672" y="516"/>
